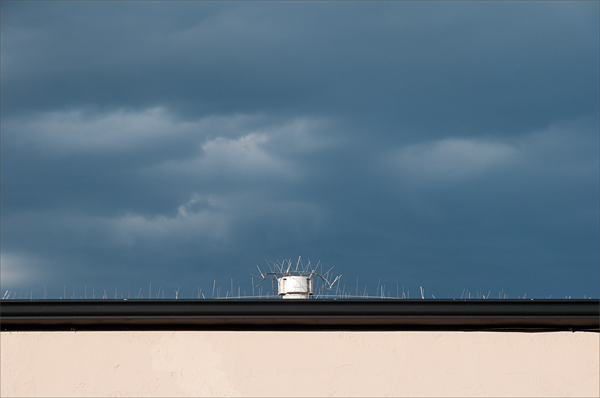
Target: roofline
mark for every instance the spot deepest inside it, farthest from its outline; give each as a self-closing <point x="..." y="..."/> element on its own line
<point x="309" y="315"/>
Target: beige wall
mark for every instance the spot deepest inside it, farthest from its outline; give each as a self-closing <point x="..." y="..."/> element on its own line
<point x="299" y="364"/>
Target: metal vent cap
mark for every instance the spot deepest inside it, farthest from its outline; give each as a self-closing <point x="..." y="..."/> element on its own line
<point x="295" y="287"/>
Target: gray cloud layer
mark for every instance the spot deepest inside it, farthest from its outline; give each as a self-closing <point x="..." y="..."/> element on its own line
<point x="444" y="145"/>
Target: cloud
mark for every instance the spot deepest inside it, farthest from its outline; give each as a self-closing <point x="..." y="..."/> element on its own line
<point x="209" y="219"/>
<point x="18" y="269"/>
<point x="245" y="155"/>
<point x="251" y="149"/>
<point x="450" y="160"/>
<point x="148" y="138"/>
<point x="378" y="64"/>
<point x="199" y="225"/>
<point x="568" y="149"/>
<point x="234" y="135"/>
<point x="80" y="131"/>
<point x="565" y="149"/>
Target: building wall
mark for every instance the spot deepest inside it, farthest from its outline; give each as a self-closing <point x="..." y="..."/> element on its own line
<point x="299" y="364"/>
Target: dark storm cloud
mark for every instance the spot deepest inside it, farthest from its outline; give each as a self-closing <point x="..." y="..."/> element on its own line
<point x="443" y="66"/>
<point x="445" y="144"/>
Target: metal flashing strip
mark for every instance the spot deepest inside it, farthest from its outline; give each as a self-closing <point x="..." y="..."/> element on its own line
<point x="314" y="314"/>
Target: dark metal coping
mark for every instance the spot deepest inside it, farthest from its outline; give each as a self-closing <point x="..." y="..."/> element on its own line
<point x="314" y="314"/>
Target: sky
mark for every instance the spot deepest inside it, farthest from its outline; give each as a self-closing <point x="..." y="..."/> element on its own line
<point x="449" y="146"/>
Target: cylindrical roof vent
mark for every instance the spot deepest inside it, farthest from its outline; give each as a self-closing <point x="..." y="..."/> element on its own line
<point x="295" y="287"/>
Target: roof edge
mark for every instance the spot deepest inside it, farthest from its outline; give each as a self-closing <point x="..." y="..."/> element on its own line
<point x="305" y="315"/>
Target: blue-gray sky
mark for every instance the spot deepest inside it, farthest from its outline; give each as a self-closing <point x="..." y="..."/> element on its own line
<point x="448" y="145"/>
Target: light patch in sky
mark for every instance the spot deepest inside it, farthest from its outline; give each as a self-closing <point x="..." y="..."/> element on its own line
<point x="76" y="131"/>
<point x="249" y="147"/>
<point x="201" y="217"/>
<point x="568" y="148"/>
<point x="242" y="155"/>
<point x="452" y="159"/>
<point x="18" y="268"/>
<point x="213" y="218"/>
<point x="301" y="135"/>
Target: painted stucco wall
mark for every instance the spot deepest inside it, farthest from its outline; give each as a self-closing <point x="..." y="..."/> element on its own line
<point x="299" y="364"/>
